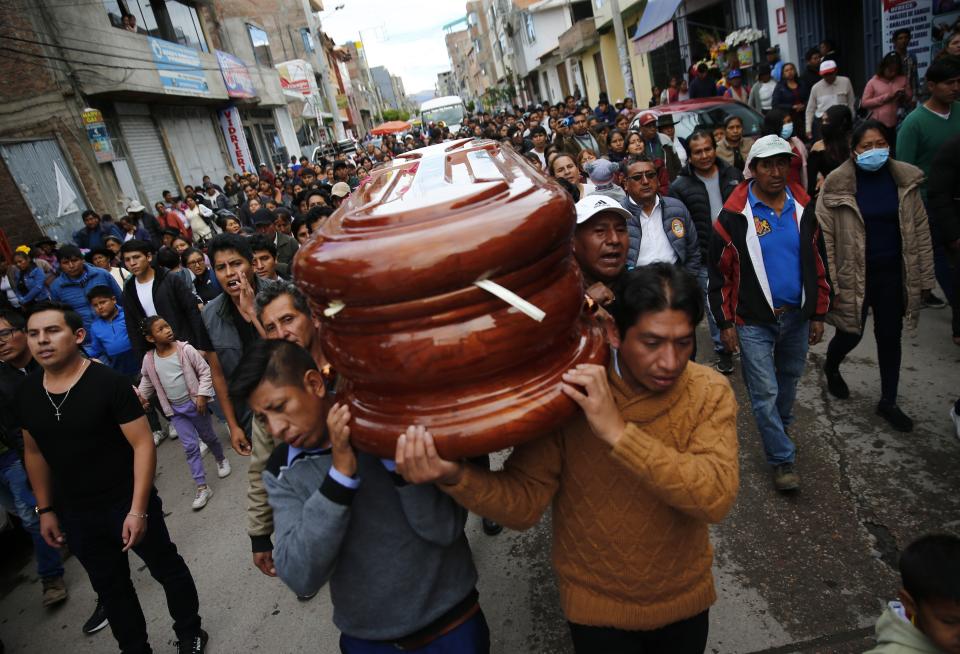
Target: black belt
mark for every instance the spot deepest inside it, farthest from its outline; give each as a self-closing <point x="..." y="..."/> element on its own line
<point x="779" y="311"/>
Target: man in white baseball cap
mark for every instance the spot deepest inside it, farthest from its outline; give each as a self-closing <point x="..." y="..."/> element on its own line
<point x="140" y="217"/>
<point x="830" y="90"/>
<point x="769" y="292"/>
<point x="600" y="244"/>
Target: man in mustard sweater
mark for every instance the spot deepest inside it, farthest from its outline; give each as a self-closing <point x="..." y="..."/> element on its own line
<point x="633" y="481"/>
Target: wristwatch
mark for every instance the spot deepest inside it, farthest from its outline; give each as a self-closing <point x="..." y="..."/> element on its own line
<point x="40" y="511"/>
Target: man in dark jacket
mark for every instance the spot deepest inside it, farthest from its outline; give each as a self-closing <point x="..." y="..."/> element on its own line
<point x="944" y="207"/>
<point x="769" y="292"/>
<point x="703" y="185"/>
<point x="156" y="292"/>
<point x="701" y="86"/>
<point x="93" y="232"/>
<point x="265" y="222"/>
<point x="660" y="228"/>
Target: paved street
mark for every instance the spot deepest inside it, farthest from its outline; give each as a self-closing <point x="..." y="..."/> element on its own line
<point x="803" y="574"/>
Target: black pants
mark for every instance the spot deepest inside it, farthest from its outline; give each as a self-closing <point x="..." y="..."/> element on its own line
<point x="884" y="295"/>
<point x="684" y="637"/>
<point x="94" y="536"/>
<point x="955" y="300"/>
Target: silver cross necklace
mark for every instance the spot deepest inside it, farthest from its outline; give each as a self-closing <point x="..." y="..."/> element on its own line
<point x="56" y="407"/>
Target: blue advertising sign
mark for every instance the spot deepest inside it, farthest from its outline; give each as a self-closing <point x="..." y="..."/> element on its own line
<point x="235" y="76"/>
<point x="181" y="72"/>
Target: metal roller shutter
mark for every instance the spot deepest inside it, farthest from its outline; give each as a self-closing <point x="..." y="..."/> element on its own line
<point x="146" y="150"/>
<point x="192" y="135"/>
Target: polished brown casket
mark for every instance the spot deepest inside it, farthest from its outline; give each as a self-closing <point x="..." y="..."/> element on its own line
<point x="416" y="342"/>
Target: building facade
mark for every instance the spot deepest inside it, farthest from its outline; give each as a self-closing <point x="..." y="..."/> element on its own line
<point x="113" y="102"/>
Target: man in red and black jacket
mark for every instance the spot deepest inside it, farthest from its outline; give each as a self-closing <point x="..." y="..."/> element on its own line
<point x="769" y="291"/>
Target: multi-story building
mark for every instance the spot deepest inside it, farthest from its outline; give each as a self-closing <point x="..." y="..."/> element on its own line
<point x="481" y="62"/>
<point x="364" y="90"/>
<point x="110" y="102"/>
<point x="458" y="45"/>
<point x="385" y="87"/>
<point x="445" y="84"/>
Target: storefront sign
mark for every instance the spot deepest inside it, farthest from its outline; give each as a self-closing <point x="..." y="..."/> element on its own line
<point x="297" y="77"/>
<point x="97" y="134"/>
<point x="236" y="140"/>
<point x="236" y="76"/>
<point x="917" y="16"/>
<point x="180" y="69"/>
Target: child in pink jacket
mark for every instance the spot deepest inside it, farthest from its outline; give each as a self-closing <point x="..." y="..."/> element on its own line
<point x="180" y="378"/>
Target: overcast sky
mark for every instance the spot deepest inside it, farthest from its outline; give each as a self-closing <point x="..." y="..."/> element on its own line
<point x="406" y="36"/>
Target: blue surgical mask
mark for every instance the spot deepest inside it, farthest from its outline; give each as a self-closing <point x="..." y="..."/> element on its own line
<point x="786" y="131"/>
<point x="874" y="159"/>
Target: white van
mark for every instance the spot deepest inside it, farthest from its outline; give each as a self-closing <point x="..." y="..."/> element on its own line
<point x="449" y="109"/>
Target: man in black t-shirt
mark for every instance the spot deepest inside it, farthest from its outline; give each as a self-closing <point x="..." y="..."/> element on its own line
<point x="91" y="460"/>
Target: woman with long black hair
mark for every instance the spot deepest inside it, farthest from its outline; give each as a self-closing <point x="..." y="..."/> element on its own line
<point x="831" y="150"/>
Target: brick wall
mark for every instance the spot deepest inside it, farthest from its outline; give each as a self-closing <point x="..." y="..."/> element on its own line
<point x="25" y="75"/>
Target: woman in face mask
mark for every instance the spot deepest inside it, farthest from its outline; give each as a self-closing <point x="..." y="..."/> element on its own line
<point x="780" y="122"/>
<point x="880" y="258"/>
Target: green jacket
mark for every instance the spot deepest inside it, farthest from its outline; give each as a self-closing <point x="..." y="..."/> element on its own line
<point x="895" y="635"/>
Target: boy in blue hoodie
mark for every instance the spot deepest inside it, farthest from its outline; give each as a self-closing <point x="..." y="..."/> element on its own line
<point x="109" y="341"/>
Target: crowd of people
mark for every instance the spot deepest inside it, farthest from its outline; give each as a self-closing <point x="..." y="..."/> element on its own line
<point x="189" y="312"/>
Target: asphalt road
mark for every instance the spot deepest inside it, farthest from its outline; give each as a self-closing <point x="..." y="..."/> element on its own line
<point x="807" y="573"/>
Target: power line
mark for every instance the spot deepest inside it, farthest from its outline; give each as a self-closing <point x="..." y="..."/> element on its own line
<point x="102" y="54"/>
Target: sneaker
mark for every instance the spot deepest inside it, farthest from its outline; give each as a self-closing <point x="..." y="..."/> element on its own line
<point x="97" y="621"/>
<point x="835" y="384"/>
<point x="956" y="421"/>
<point x="195" y="645"/>
<point x="157" y="437"/>
<point x="172" y="432"/>
<point x="223" y="468"/>
<point x="204" y="493"/>
<point x="897" y="418"/>
<point x="307" y="598"/>
<point x="204" y="448"/>
<point x="930" y="300"/>
<point x="724" y="363"/>
<point x="491" y="528"/>
<point x="54" y="591"/>
<point x="785" y="478"/>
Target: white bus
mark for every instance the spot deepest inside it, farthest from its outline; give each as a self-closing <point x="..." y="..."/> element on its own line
<point x="449" y="109"/>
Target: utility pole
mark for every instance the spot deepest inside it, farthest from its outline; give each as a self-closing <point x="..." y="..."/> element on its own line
<point x="320" y="62"/>
<point x="625" y="68"/>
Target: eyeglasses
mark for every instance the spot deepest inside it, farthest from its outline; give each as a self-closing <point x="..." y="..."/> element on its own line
<point x="194" y="262"/>
<point x="7" y="333"/>
<point x="650" y="174"/>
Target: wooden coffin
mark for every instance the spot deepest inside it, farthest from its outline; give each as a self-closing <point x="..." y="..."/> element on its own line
<point x="416" y="342"/>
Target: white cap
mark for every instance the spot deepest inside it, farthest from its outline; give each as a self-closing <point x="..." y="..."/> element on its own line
<point x="135" y="206"/>
<point x="590" y="205"/>
<point x="340" y="189"/>
<point x="770" y="145"/>
<point x="828" y="66"/>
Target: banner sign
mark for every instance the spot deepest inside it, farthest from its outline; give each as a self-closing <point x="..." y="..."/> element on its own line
<point x="236" y="76"/>
<point x="181" y="72"/>
<point x="917" y="16"/>
<point x="296" y="77"/>
<point x="236" y="140"/>
<point x="97" y="134"/>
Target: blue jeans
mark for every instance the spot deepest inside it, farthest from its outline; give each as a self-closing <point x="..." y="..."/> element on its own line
<point x="472" y="637"/>
<point x="16" y="497"/>
<point x="704" y="279"/>
<point x="773" y="356"/>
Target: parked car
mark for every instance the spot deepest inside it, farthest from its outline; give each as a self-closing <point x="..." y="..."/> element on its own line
<point x="706" y="112"/>
<point x="330" y="150"/>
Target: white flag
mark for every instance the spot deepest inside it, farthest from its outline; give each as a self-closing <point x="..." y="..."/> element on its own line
<point x="66" y="198"/>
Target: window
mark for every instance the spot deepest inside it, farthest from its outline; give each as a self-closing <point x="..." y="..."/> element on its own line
<point x="261" y="46"/>
<point x="170" y="20"/>
<point x="477" y="46"/>
<point x="472" y="18"/>
<point x="528" y="29"/>
<point x="307" y="40"/>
